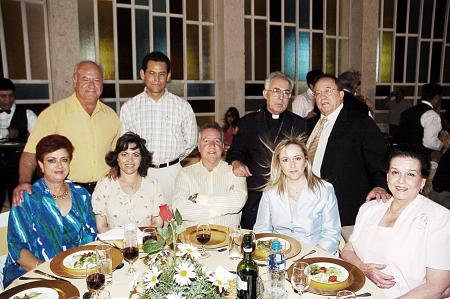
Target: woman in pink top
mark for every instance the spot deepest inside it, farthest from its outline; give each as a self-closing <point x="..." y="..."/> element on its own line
<point x="403" y="245"/>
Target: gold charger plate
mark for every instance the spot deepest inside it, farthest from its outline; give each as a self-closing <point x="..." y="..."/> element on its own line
<point x="57" y="265"/>
<point x="219" y="236"/>
<point x="294" y="248"/>
<point x="354" y="282"/>
<point x="65" y="289"/>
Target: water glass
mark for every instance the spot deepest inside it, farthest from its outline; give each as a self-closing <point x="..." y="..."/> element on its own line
<point x="129" y="231"/>
<point x="301" y="277"/>
<point x="234" y="242"/>
<point x="104" y="261"/>
<point x="270" y="289"/>
<point x="345" y="294"/>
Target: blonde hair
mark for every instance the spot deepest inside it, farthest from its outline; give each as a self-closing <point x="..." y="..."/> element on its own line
<point x="278" y="179"/>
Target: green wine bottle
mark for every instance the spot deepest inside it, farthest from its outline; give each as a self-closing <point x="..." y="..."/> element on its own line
<point x="247" y="271"/>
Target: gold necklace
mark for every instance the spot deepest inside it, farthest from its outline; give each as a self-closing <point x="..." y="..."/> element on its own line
<point x="62" y="195"/>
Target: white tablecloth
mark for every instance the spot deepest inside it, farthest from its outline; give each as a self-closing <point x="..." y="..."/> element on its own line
<point x="122" y="283"/>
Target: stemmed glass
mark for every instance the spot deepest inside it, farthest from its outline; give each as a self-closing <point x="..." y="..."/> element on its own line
<point x="345" y="294"/>
<point x="301" y="277"/>
<point x="95" y="280"/>
<point x="130" y="249"/>
<point x="203" y="236"/>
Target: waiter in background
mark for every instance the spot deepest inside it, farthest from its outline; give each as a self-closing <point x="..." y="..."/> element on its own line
<point x="15" y="124"/>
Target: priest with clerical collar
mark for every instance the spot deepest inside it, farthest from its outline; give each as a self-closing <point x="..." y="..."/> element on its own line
<point x="259" y="133"/>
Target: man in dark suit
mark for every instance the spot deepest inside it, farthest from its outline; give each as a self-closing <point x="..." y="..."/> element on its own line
<point x="259" y="133"/>
<point x="15" y="123"/>
<point x="347" y="149"/>
<point x="421" y="124"/>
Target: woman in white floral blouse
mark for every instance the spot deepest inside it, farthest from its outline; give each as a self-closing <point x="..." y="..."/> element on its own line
<point x="132" y="197"/>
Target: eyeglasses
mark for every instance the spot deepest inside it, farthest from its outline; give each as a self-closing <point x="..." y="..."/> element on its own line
<point x="327" y="91"/>
<point x="277" y="92"/>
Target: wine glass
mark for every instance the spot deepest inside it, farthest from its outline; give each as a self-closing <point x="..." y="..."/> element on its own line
<point x="300" y="277"/>
<point x="345" y="294"/>
<point x="130" y="251"/>
<point x="95" y="280"/>
<point x="203" y="236"/>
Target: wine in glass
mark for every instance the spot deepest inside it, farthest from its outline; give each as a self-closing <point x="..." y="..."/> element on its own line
<point x="301" y="277"/>
<point x="130" y="251"/>
<point x="203" y="236"/>
<point x="95" y="280"/>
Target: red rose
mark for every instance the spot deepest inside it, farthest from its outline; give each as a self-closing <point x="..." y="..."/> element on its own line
<point x="165" y="213"/>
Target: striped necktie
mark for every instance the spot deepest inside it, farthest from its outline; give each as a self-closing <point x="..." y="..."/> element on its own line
<point x="312" y="146"/>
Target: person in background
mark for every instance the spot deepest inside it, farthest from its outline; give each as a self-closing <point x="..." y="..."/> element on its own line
<point x="441" y="181"/>
<point x="421" y="124"/>
<point x="55" y="217"/>
<point x="91" y="126"/>
<point x="15" y="125"/>
<point x="208" y="191"/>
<point x="303" y="104"/>
<point x="402" y="245"/>
<point x="396" y="104"/>
<point x="132" y="197"/>
<point x="297" y="203"/>
<point x="350" y="81"/>
<point x="162" y="118"/>
<point x="230" y="128"/>
<point x="259" y="132"/>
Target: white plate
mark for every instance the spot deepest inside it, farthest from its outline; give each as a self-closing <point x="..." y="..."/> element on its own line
<point x="284" y="244"/>
<point x="70" y="260"/>
<point x="46" y="293"/>
<point x="340" y="278"/>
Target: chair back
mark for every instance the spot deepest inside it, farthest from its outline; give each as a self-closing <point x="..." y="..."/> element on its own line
<point x="3" y="233"/>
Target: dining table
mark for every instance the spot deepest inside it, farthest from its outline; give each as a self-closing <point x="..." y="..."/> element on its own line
<point x="128" y="286"/>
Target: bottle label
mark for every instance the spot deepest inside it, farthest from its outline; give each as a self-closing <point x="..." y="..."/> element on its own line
<point x="241" y="285"/>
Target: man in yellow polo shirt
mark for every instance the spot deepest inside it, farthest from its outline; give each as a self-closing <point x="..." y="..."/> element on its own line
<point x="90" y="125"/>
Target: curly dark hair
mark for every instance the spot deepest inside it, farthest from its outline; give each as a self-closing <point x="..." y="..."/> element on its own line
<point x="122" y="145"/>
<point x="411" y="151"/>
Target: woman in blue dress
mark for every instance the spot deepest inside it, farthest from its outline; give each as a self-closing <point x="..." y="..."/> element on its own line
<point x="56" y="216"/>
<point x="297" y="203"/>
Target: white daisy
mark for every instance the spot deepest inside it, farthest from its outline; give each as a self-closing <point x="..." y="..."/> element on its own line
<point x="219" y="282"/>
<point x="188" y="249"/>
<point x="175" y="296"/>
<point x="185" y="272"/>
<point x="151" y="277"/>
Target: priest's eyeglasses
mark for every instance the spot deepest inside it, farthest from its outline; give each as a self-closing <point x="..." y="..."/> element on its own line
<point x="277" y="92"/>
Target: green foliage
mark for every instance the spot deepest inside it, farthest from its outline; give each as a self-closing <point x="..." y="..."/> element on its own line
<point x="178" y="217"/>
<point x="153" y="246"/>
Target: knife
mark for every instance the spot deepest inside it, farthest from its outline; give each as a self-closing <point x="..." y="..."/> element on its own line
<point x="110" y="244"/>
<point x="50" y="275"/>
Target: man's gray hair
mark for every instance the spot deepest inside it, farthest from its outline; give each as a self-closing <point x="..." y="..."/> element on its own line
<point x="280" y="75"/>
<point x="214" y="126"/>
<point x="79" y="64"/>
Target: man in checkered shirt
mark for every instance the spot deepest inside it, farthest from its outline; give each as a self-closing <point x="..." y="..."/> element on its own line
<point x="165" y="120"/>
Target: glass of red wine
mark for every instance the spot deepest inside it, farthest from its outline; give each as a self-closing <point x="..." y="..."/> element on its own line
<point x="130" y="251"/>
<point x="95" y="280"/>
<point x="203" y="235"/>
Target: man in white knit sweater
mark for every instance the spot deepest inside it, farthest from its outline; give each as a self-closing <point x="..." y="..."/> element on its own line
<point x="208" y="191"/>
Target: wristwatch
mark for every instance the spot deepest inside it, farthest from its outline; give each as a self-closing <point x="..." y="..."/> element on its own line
<point x="193" y="197"/>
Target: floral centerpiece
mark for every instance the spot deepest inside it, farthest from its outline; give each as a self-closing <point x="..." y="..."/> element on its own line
<point x="176" y="273"/>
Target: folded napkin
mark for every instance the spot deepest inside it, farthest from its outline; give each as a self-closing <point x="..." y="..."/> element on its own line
<point x="117" y="234"/>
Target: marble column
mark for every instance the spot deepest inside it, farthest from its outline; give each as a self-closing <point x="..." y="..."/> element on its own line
<point x="64" y="45"/>
<point x="230" y="67"/>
